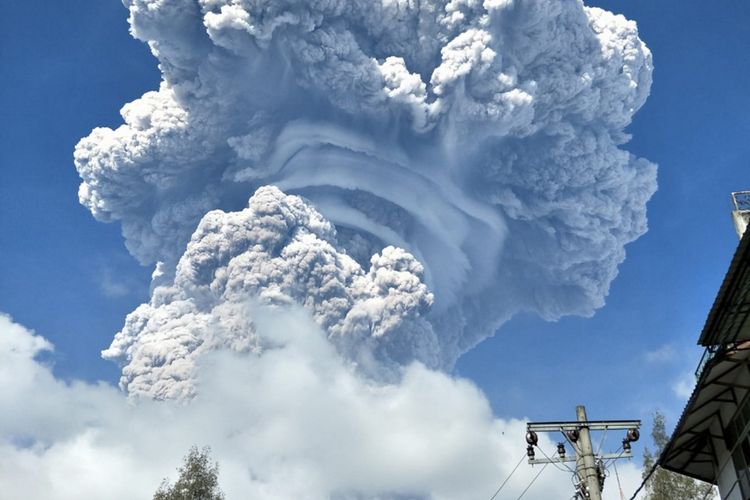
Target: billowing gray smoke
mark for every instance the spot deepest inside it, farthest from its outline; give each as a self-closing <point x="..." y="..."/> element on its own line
<point x="463" y="154"/>
<point x="279" y="252"/>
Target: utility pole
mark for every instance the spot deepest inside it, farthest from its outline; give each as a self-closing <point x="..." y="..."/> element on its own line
<point x="587" y="470"/>
<point x="590" y="466"/>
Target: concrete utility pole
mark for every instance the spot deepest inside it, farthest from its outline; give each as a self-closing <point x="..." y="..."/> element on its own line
<point x="586" y="470"/>
<point x="590" y="467"/>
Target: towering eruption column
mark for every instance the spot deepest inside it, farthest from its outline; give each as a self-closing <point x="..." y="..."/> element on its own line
<point x="437" y="166"/>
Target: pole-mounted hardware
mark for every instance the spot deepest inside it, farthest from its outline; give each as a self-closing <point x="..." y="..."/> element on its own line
<point x="590" y="467"/>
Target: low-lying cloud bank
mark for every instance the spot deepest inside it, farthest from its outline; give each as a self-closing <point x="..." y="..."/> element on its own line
<point x="294" y="421"/>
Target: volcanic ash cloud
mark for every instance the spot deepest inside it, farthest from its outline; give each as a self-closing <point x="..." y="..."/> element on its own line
<point x="458" y="162"/>
<point x="280" y="252"/>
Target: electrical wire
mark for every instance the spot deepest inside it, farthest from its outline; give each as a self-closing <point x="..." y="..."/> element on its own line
<point x="532" y="482"/>
<point x="611" y="460"/>
<point x="553" y="463"/>
<point x="709" y="492"/>
<point x="619" y="486"/>
<point x="572" y="443"/>
<point x="645" y="479"/>
<point x="601" y="442"/>
<point x="509" y="476"/>
<point x="575" y="480"/>
<point x="657" y="464"/>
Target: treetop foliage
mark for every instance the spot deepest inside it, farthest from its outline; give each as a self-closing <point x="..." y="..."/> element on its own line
<point x="198" y="479"/>
<point x="668" y="485"/>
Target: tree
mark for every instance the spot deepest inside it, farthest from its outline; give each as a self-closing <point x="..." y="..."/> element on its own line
<point x="198" y="479"/>
<point x="668" y="485"/>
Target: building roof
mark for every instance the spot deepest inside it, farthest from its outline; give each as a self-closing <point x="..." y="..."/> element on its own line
<point x="728" y="319"/>
<point x="723" y="376"/>
<point x="723" y="382"/>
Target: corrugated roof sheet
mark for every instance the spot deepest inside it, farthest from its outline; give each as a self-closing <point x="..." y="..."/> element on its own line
<point x="727" y="320"/>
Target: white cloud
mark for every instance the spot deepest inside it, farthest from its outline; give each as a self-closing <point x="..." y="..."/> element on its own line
<point x="663" y="354"/>
<point x="114" y="286"/>
<point x="294" y="422"/>
<point x="683" y="387"/>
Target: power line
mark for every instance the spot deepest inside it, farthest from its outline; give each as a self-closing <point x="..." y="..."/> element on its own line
<point x="619" y="486"/>
<point x="567" y="469"/>
<point x="601" y="443"/>
<point x="532" y="482"/>
<point x="620" y="454"/>
<point x="509" y="476"/>
<point x="591" y="467"/>
<point x="645" y="479"/>
<point x="709" y="492"/>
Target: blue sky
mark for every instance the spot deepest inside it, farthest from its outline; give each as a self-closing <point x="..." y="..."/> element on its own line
<point x="68" y="68"/>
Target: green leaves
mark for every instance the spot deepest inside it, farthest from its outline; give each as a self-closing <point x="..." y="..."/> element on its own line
<point x="198" y="479"/>
<point x="664" y="484"/>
